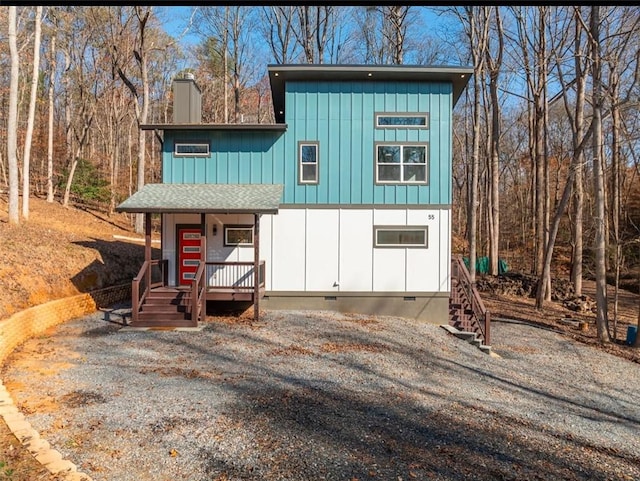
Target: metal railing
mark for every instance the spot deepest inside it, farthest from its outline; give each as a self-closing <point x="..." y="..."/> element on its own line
<point x="481" y="316"/>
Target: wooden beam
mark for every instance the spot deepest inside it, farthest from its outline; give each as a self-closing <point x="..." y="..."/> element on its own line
<point x="203" y="238"/>
<point x="256" y="267"/>
<point x="147" y="236"/>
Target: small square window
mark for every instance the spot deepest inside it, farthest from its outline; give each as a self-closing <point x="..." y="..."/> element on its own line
<point x="238" y="235"/>
<point x="308" y="162"/>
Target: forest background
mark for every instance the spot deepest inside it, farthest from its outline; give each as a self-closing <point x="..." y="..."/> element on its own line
<point x="545" y="139"/>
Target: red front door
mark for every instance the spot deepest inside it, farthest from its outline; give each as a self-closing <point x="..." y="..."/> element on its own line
<point x="188" y="254"/>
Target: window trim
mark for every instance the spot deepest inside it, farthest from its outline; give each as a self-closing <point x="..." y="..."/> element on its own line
<point x="305" y="143"/>
<point x="401" y="228"/>
<point x="179" y="154"/>
<point x="401" y="114"/>
<point x="402" y="145"/>
<point x="227" y="227"/>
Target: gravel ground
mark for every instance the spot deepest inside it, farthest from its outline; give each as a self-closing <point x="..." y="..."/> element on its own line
<point x="324" y="396"/>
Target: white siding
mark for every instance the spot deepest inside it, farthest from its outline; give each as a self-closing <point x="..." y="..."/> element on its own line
<point x="356" y="250"/>
<point x="389" y="264"/>
<point x="313" y="249"/>
<point x="288" y="248"/>
<point x="322" y="234"/>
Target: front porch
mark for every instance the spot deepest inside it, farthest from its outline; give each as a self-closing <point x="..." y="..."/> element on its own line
<point x="156" y="300"/>
<point x="157" y="304"/>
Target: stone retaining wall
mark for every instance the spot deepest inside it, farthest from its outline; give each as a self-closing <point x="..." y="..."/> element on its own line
<point x="33" y="322"/>
<point x="36" y="320"/>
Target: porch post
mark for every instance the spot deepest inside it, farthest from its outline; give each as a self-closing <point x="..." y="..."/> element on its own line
<point x="203" y="238"/>
<point x="147" y="236"/>
<point x="256" y="267"/>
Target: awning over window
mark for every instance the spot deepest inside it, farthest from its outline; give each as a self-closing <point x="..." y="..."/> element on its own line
<point x="205" y="198"/>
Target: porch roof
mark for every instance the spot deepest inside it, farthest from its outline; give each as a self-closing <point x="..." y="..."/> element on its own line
<point x="205" y="198"/>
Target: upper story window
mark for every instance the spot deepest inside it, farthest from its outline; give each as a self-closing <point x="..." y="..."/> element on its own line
<point x="402" y="120"/>
<point x="401" y="163"/>
<point x="191" y="149"/>
<point x="308" y="162"/>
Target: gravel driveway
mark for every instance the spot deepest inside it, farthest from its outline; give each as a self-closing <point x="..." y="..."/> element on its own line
<point x="324" y="396"/>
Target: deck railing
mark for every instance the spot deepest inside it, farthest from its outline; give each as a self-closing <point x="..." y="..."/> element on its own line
<point x="233" y="275"/>
<point x="153" y="273"/>
<point x="482" y="316"/>
<point x="198" y="294"/>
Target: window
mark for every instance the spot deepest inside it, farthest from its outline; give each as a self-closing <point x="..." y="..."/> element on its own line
<point x="308" y="162"/>
<point x="395" y="120"/>
<point x="238" y="235"/>
<point x="394" y="236"/>
<point x="192" y="149"/>
<point x="405" y="164"/>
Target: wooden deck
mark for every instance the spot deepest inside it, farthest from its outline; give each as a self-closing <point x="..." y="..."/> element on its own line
<point x="157" y="304"/>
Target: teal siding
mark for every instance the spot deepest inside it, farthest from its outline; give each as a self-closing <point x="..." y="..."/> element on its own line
<point x="340" y="116"/>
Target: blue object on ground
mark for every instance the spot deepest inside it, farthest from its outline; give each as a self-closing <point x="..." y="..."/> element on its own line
<point x="632" y="332"/>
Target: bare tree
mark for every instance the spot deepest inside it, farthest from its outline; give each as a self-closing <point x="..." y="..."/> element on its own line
<point x="32" y="112"/>
<point x="383" y="30"/>
<point x="476" y="28"/>
<point x="494" y="65"/>
<point x="52" y="76"/>
<point x="277" y="29"/>
<point x="12" y="125"/>
<point x="602" y="317"/>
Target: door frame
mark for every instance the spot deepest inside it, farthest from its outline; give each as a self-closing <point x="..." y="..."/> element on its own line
<point x="179" y="227"/>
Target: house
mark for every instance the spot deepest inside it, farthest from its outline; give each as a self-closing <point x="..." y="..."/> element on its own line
<point x="344" y="203"/>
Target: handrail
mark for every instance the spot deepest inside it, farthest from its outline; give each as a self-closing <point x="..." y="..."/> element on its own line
<point x="198" y="289"/>
<point x="145" y="279"/>
<point x="478" y="307"/>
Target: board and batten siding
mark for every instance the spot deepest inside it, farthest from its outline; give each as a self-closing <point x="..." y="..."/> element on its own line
<point x="340" y="116"/>
<point x="331" y="250"/>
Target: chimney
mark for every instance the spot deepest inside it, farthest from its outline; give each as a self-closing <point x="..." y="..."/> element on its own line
<point x="187" y="105"/>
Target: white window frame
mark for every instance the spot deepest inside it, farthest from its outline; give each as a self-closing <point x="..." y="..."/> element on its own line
<point x="244" y="227"/>
<point x="402" y="164"/>
<point x="187" y="154"/>
<point x="424" y="115"/>
<point x="399" y="228"/>
<point x="316" y="145"/>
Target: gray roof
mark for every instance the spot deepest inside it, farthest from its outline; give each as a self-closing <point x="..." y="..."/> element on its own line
<point x="279" y="74"/>
<point x="205" y="198"/>
<point x="281" y="127"/>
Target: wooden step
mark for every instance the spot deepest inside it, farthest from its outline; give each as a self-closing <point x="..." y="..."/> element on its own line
<point x="164" y="316"/>
<point x="163" y="309"/>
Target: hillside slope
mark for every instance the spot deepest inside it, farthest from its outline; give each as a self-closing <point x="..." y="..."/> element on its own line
<point x="59" y="252"/>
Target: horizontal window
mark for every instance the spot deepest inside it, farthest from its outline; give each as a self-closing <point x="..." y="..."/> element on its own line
<point x="238" y="235"/>
<point x="192" y="149"/>
<point x="308" y="162"/>
<point x="393" y="236"/>
<point x="398" y="120"/>
<point x="400" y="164"/>
<point x="191" y="249"/>
<point x="190" y="262"/>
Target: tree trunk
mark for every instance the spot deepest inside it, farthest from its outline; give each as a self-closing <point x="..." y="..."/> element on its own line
<point x="52" y="76"/>
<point x="602" y="321"/>
<point x="26" y="189"/>
<point x="12" y="124"/>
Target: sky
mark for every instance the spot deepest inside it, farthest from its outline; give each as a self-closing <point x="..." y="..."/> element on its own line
<point x="176" y="20"/>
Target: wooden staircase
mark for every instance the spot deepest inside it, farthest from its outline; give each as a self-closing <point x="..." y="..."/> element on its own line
<point x="166" y="307"/>
<point x="467" y="314"/>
